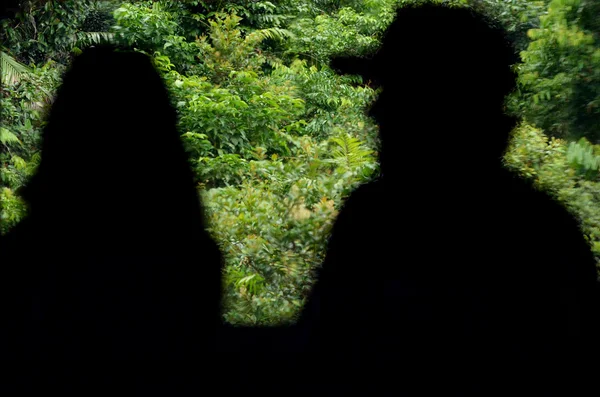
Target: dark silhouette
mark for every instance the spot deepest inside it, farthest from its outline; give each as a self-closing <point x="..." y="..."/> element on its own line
<point x="112" y="279"/>
<point x="9" y="8"/>
<point x="448" y="274"/>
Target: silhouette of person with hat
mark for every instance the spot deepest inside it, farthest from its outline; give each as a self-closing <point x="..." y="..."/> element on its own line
<point x="447" y="264"/>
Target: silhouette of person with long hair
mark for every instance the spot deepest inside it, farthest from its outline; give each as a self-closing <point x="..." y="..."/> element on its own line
<point x="113" y="273"/>
<point x="447" y="264"/>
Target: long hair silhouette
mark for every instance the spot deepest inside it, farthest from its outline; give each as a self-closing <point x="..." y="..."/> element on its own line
<point x="111" y="138"/>
<point x="116" y="269"/>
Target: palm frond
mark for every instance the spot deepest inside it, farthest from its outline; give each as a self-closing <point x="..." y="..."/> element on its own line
<point x="12" y="70"/>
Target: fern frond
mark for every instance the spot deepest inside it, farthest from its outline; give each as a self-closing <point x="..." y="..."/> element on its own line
<point x="274" y="20"/>
<point x="274" y="62"/>
<point x="12" y="70"/>
<point x="274" y="33"/>
<point x="7" y="137"/>
<point x="84" y="39"/>
<point x="19" y="162"/>
<point x="349" y="151"/>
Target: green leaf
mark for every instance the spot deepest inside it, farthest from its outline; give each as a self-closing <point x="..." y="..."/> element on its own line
<point x="7" y="137"/>
<point x="19" y="163"/>
<point x="83" y="39"/>
<point x="12" y="71"/>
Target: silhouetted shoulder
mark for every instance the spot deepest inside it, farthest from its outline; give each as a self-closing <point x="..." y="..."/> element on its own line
<point x="357" y="226"/>
<point x="547" y="229"/>
<point x="448" y="254"/>
<point x="351" y="259"/>
<point x="362" y="207"/>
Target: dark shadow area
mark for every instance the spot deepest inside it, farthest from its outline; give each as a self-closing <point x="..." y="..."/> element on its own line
<point x="504" y="301"/>
<point x="9" y="8"/>
<point x="112" y="280"/>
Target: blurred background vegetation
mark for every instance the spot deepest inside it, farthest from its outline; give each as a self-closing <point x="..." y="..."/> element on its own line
<point x="276" y="138"/>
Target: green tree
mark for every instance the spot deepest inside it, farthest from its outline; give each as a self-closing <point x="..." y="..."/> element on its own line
<point x="44" y="30"/>
<point x="516" y="16"/>
<point x="559" y="78"/>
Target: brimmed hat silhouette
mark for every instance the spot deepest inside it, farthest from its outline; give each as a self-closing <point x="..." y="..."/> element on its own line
<point x="438" y="44"/>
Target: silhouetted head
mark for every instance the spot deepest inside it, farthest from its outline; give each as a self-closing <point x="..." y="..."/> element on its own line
<point x="444" y="73"/>
<point x="111" y="154"/>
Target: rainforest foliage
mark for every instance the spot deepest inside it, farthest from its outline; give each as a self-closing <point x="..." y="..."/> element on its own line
<point x="277" y="139"/>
